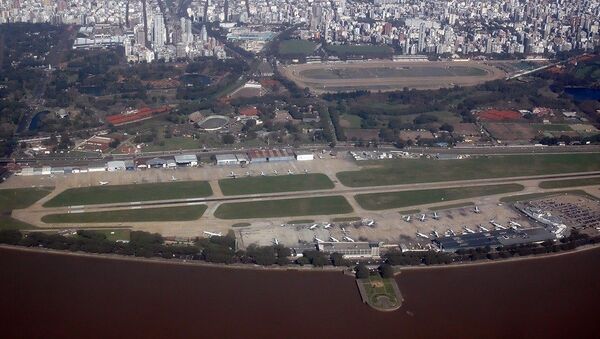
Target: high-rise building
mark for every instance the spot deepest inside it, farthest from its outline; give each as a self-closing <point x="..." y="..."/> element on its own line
<point x="203" y="34"/>
<point x="159" y="32"/>
<point x="186" y="31"/>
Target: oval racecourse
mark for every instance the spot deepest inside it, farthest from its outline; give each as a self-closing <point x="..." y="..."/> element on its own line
<point x="390" y="75"/>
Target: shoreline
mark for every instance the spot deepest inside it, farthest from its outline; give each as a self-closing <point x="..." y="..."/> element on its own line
<point x="307" y="268"/>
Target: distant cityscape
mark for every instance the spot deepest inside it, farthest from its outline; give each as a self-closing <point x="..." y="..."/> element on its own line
<point x="147" y="29"/>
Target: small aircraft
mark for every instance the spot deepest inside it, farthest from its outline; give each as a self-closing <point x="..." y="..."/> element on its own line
<point x="477" y="210"/>
<point x="275" y="172"/>
<point x="102" y="183"/>
<point x="275" y="241"/>
<point x="435" y="233"/>
<point x="422" y="235"/>
<point x="247" y="174"/>
<point x="369" y="222"/>
<point x="514" y="223"/>
<point x="497" y="225"/>
<point x="327" y="225"/>
<point x="333" y="239"/>
<point x="212" y="234"/>
<point x="344" y="230"/>
<point x="468" y="229"/>
<point x="305" y="171"/>
<point x="422" y="218"/>
<point x="407" y="218"/>
<point x="232" y="175"/>
<point x="483" y="228"/>
<point x="173" y="178"/>
<point x="451" y="232"/>
<point x="347" y="238"/>
<point x="313" y="226"/>
<point x="436" y="216"/>
<point x="290" y="172"/>
<point x="318" y="240"/>
<point x="262" y="174"/>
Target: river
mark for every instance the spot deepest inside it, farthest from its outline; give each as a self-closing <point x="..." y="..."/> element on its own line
<point x="65" y="296"/>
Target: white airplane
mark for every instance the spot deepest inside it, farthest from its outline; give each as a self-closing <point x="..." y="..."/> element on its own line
<point x="262" y="174"/>
<point x="514" y="223"/>
<point x="447" y="233"/>
<point x="173" y="178"/>
<point x="313" y="226"/>
<point x="435" y="233"/>
<point x="407" y="218"/>
<point x="468" y="229"/>
<point x="305" y="171"/>
<point x="247" y="174"/>
<point x="497" y="225"/>
<point x="102" y="183"/>
<point x="333" y="239"/>
<point x="327" y="225"/>
<point x="347" y="238"/>
<point x="290" y="172"/>
<point x="370" y="222"/>
<point x="283" y="225"/>
<point x="477" y="210"/>
<point x="275" y="172"/>
<point x="436" y="216"/>
<point x="422" y="235"/>
<point x="451" y="232"/>
<point x="212" y="234"/>
<point x="422" y="218"/>
<point x="344" y="230"/>
<point x="483" y="228"/>
<point x="319" y="240"/>
<point x="232" y="175"/>
<point x="275" y="241"/>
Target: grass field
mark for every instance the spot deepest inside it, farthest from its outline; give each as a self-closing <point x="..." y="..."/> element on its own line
<point x="130" y="193"/>
<point x="296" y="47"/>
<point x="406" y="171"/>
<point x="376" y="287"/>
<point x="274" y="184"/>
<point x="533" y="196"/>
<point x="348" y="219"/>
<point x="114" y="234"/>
<point x="406" y="212"/>
<point x="174" y="143"/>
<point x="382" y="201"/>
<point x="570" y="183"/>
<point x="18" y="198"/>
<point x="391" y="72"/>
<point x="184" y="213"/>
<point x="241" y="224"/>
<point x="300" y="221"/>
<point x="284" y="208"/>
<point x="552" y="128"/>
<point x="350" y="121"/>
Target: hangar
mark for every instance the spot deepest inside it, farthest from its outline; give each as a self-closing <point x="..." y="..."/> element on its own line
<point x="304" y="155"/>
<point x="186" y="160"/>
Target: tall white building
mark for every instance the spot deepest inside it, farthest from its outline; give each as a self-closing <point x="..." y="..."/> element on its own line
<point x="187" y="37"/>
<point x="159" y="32"/>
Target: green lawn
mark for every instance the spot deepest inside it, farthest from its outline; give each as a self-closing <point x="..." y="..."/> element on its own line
<point x="406" y="171"/>
<point x="533" y="196"/>
<point x="184" y="213"/>
<point x="296" y="47"/>
<point x="130" y="193"/>
<point x="382" y="201"/>
<point x="350" y="121"/>
<point x="570" y="183"/>
<point x="174" y="143"/>
<point x="273" y="184"/>
<point x="18" y="198"/>
<point x="114" y="234"/>
<point x="376" y="286"/>
<point x="552" y="128"/>
<point x="284" y="208"/>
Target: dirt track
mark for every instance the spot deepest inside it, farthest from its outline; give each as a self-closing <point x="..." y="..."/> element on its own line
<point x="293" y="72"/>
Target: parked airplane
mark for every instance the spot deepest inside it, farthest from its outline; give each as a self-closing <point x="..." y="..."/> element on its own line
<point x="369" y="222"/>
<point x="422" y="218"/>
<point x="275" y="172"/>
<point x="334" y="239"/>
<point x="275" y="241"/>
<point x="212" y="234"/>
<point x="483" y="228"/>
<point x="468" y="229"/>
<point x="347" y="238"/>
<point x="477" y="210"/>
<point x="327" y="225"/>
<point x="290" y="172"/>
<point x="447" y="233"/>
<point x="305" y="171"/>
<point x="247" y="174"/>
<point x="514" y="223"/>
<point x="102" y="183"/>
<point x="407" y="218"/>
<point x="262" y="174"/>
<point x="435" y="233"/>
<point x="318" y="240"/>
<point x="232" y="175"/>
<point x="422" y="235"/>
<point x="497" y="225"/>
<point x="313" y="226"/>
<point x="344" y="230"/>
<point x="436" y="216"/>
<point x="451" y="232"/>
<point x="173" y="178"/>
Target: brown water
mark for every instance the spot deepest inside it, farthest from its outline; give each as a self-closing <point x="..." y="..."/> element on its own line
<point x="58" y="296"/>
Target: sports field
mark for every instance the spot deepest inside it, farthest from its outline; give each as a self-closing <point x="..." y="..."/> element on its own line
<point x="130" y="193"/>
<point x="390" y="200"/>
<point x="273" y="184"/>
<point x="407" y="171"/>
<point x="570" y="183"/>
<point x="284" y="208"/>
<point x="390" y="75"/>
<point x="296" y="47"/>
<point x="18" y="198"/>
<point x="185" y="213"/>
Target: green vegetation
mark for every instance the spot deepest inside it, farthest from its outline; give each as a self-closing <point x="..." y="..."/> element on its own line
<point x="552" y="128"/>
<point x="296" y="47"/>
<point x="108" y="234"/>
<point x="185" y="213"/>
<point x="18" y="198"/>
<point x="406" y="171"/>
<point x="241" y="224"/>
<point x="274" y="184"/>
<point x="570" y="183"/>
<point x="533" y="196"/>
<point x="382" y="201"/>
<point x="284" y="208"/>
<point x="130" y="193"/>
<point x="301" y="221"/>
<point x="446" y="207"/>
<point x="350" y="121"/>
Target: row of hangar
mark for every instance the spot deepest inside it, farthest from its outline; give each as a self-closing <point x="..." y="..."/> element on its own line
<point x="261" y="156"/>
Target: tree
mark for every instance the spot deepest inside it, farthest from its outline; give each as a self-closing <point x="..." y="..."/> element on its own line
<point x="386" y="271"/>
<point x="228" y="139"/>
<point x="362" y="272"/>
<point x="338" y="259"/>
